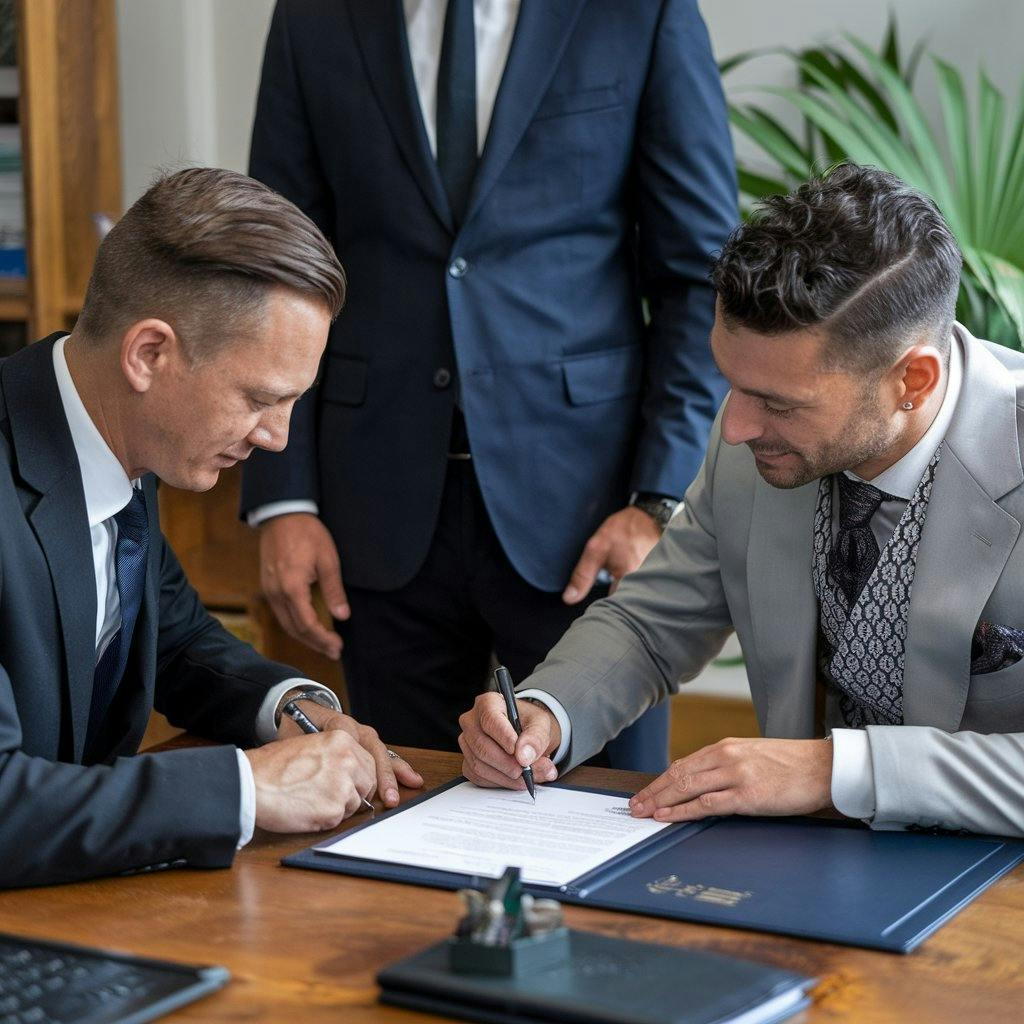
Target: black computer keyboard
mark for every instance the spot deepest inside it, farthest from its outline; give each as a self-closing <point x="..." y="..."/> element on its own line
<point x="55" y="983"/>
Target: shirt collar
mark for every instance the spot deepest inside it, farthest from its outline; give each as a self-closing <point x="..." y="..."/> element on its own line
<point x="104" y="481"/>
<point x="901" y="478"/>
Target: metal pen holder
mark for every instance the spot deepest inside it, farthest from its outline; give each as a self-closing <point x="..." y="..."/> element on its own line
<point x="519" y="957"/>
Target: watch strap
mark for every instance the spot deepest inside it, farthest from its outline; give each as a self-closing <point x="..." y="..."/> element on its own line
<point x="325" y="698"/>
<point x="660" y="507"/>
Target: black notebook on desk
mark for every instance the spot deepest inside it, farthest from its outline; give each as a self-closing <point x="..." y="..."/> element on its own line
<point x="796" y="876"/>
<point x="604" y="981"/>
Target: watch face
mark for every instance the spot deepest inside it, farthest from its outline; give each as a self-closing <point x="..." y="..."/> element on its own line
<point x="659" y="509"/>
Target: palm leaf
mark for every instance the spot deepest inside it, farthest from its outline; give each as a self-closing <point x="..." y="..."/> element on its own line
<point x="862" y="136"/>
<point x="853" y="76"/>
<point x="757" y="186"/>
<point x="1004" y="283"/>
<point x="1008" y="230"/>
<point x="866" y="112"/>
<point x="777" y="143"/>
<point x="919" y="133"/>
<point x="909" y="72"/>
<point x="987" y="152"/>
<point x="727" y="65"/>
<point x="958" y="138"/>
<point x="890" y="45"/>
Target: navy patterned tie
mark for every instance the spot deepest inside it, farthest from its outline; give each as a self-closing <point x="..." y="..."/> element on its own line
<point x="855" y="553"/>
<point x="130" y="571"/>
<point x="456" y="106"/>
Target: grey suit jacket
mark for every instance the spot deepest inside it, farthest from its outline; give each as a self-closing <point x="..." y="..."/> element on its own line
<point x="739" y="558"/>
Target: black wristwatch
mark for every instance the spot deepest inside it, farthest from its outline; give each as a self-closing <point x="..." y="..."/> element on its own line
<point x="660" y="507"/>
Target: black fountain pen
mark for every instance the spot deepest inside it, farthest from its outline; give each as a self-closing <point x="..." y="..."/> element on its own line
<point x="504" y="681"/>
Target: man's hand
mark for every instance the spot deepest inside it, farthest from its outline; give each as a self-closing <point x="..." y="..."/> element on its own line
<point x="310" y="783"/>
<point x="296" y="551"/>
<point x="391" y="771"/>
<point x="492" y="754"/>
<point x="745" y="776"/>
<point x="620" y="544"/>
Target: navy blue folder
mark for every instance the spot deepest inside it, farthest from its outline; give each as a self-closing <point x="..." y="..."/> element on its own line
<point x="818" y="879"/>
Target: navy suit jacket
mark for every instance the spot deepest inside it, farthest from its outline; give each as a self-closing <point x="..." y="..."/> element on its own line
<point x="607" y="178"/>
<point x="68" y="812"/>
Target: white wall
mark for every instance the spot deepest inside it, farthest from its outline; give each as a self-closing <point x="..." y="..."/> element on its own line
<point x="189" y="68"/>
<point x="963" y="32"/>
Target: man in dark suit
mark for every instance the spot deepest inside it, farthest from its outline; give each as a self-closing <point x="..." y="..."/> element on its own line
<point x="497" y="422"/>
<point x="175" y="368"/>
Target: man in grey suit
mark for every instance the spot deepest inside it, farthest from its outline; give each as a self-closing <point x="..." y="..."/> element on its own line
<point x="856" y="522"/>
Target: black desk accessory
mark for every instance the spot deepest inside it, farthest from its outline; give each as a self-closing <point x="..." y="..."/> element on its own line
<point x="512" y="961"/>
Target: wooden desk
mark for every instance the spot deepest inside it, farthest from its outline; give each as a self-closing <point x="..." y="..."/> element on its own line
<point x="304" y="947"/>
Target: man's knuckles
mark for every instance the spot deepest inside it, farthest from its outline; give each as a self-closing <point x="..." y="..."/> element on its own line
<point x="368" y="736"/>
<point x="731" y="748"/>
<point x="680" y="775"/>
<point x="496" y="725"/>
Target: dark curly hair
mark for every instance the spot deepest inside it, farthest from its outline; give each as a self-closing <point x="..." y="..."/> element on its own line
<point x="857" y="253"/>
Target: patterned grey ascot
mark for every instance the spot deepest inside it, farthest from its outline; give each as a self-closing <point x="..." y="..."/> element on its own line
<point x="864" y="607"/>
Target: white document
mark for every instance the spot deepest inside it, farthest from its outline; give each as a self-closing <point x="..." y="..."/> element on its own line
<point x="483" y="831"/>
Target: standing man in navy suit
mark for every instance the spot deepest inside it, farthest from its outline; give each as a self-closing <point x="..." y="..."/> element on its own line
<point x="500" y="422"/>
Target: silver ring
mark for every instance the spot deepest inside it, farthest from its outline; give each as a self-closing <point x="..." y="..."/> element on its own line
<point x="394" y="756"/>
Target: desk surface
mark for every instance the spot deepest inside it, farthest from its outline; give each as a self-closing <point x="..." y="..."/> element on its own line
<point x="305" y="946"/>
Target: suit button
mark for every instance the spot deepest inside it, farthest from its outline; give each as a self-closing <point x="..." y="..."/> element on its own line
<point x="459" y="267"/>
<point x="442" y="378"/>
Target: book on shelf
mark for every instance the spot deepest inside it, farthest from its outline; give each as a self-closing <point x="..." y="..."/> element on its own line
<point x="12" y="204"/>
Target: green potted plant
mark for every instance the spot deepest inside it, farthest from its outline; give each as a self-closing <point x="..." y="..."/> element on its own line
<point x="856" y="103"/>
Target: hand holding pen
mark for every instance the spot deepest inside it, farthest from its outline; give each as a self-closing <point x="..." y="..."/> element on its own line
<point x="302" y="720"/>
<point x="495" y="752"/>
<point x="392" y="769"/>
<point x="504" y="681"/>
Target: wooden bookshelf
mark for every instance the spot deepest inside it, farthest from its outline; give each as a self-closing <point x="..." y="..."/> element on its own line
<point x="14" y="303"/>
<point x="71" y="153"/>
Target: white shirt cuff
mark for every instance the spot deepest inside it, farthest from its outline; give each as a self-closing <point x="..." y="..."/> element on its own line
<point x="280" y="508"/>
<point x="247" y="808"/>
<point x="853" y="777"/>
<point x="561" y="717"/>
<point x="266" y="725"/>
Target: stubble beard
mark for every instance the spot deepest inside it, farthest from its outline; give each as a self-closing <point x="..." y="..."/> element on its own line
<point x="860" y="440"/>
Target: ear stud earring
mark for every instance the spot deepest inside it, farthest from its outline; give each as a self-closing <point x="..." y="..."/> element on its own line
<point x="908" y="405"/>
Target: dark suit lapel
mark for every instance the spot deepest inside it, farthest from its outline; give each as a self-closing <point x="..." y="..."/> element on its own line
<point x="379" y="27"/>
<point x="541" y="35"/>
<point x="783" y="607"/>
<point x="966" y="542"/>
<point x="46" y="461"/>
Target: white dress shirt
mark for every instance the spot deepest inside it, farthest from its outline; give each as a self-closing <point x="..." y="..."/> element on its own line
<point x="108" y="490"/>
<point x="853" y="780"/>
<point x="495" y="22"/>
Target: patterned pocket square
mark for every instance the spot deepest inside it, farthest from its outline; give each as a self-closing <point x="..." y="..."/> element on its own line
<point x="995" y="647"/>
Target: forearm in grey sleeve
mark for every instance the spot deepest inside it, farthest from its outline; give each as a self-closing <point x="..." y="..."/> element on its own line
<point x="664" y="623"/>
<point x="924" y="776"/>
